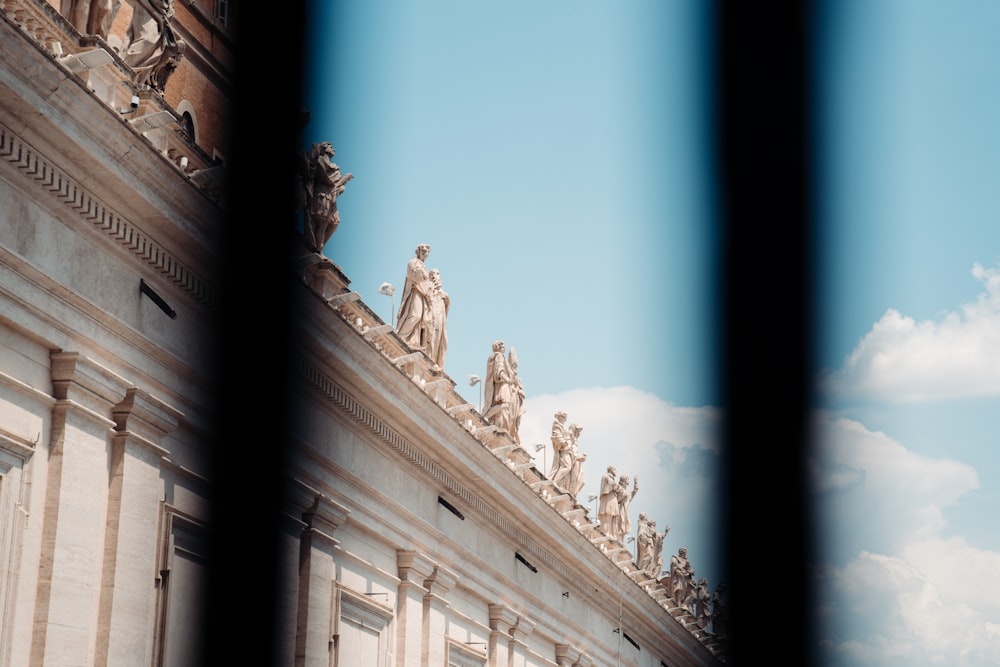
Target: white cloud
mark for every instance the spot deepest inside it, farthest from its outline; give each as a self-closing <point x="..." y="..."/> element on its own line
<point x="905" y="595"/>
<point x="874" y="493"/>
<point x="672" y="449"/>
<point x="902" y="360"/>
<point x="883" y="610"/>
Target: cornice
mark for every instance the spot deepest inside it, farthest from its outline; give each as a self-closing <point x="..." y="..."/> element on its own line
<point x="82" y="203"/>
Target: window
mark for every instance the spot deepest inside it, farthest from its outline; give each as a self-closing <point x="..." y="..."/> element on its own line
<point x="183" y="576"/>
<point x="222" y="12"/>
<point x="361" y="638"/>
<point x="460" y="655"/>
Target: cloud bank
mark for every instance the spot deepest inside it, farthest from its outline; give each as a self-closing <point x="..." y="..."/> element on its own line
<point x="896" y="590"/>
<point x="901" y="360"/>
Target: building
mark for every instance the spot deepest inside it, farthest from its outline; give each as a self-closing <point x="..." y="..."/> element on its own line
<point x="111" y="211"/>
<point x="406" y="531"/>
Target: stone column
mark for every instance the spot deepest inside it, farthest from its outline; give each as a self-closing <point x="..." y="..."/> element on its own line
<point x="314" y="631"/>
<point x="128" y="601"/>
<point x="517" y="653"/>
<point x="435" y="623"/>
<point x="502" y="619"/>
<point x="70" y="568"/>
<point x="414" y="569"/>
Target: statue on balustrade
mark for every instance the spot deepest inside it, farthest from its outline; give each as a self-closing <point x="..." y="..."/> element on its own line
<point x="560" y="441"/>
<point x="607" y="512"/>
<point x="681" y="580"/>
<point x="90" y="17"/>
<point x="498" y="391"/>
<point x="624" y="525"/>
<point x="517" y="396"/>
<point x="702" y="601"/>
<point x="649" y="546"/>
<point x="575" y="480"/>
<point x="323" y="183"/>
<point x="440" y="302"/>
<point x="413" y="321"/>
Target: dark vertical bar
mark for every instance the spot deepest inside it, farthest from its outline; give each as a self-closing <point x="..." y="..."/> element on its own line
<point x="763" y="142"/>
<point x="255" y="351"/>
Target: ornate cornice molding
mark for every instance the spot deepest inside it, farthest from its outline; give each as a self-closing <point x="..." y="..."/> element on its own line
<point x="89" y="208"/>
<point x="336" y="394"/>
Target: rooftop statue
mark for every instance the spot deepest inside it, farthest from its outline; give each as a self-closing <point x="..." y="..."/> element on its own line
<point x="720" y="612"/>
<point x="702" y="600"/>
<point x="681" y="578"/>
<point x="440" y="302"/>
<point x="499" y="392"/>
<point x="517" y="396"/>
<point x="413" y="323"/>
<point x="625" y="497"/>
<point x="560" y="441"/>
<point x="649" y="546"/>
<point x="151" y="48"/>
<point x="90" y="17"/>
<point x="151" y="43"/>
<point x="575" y="480"/>
<point x="567" y="470"/>
<point x="322" y="184"/>
<point x="607" y="509"/>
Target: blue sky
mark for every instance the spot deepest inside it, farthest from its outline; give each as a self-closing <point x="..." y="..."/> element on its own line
<point x="556" y="158"/>
<point x="907" y="465"/>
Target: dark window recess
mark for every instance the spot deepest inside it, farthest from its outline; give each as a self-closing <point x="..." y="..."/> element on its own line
<point x="526" y="563"/>
<point x="187" y="124"/>
<point x="451" y="508"/>
<point x="157" y="299"/>
<point x="629" y="640"/>
<point x="222" y="12"/>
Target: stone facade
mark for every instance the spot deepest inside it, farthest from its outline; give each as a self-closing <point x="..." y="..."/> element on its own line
<point x="107" y="243"/>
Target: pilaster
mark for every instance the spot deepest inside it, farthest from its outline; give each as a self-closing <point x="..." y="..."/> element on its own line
<point x="135" y="489"/>
<point x="73" y="528"/>
<point x="435" y="625"/>
<point x="414" y="569"/>
<point x="502" y="619"/>
<point x="517" y="653"/>
<point x="316" y="576"/>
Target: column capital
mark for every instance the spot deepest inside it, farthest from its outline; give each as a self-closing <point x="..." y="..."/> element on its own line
<point x="81" y="380"/>
<point x="414" y="567"/>
<point x="324" y="516"/>
<point x="502" y="618"/>
<point x="441" y="581"/>
<point x="520" y="630"/>
<point x="145" y="418"/>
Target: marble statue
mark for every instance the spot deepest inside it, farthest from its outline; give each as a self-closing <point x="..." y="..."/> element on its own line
<point x="607" y="512"/>
<point x="560" y="441"/>
<point x="702" y="600"/>
<point x="649" y="546"/>
<point x="517" y="395"/>
<point x="173" y="53"/>
<point x="657" y="566"/>
<point x="149" y="38"/>
<point x="498" y="391"/>
<point x="323" y="184"/>
<point x="90" y="17"/>
<point x="624" y="525"/>
<point x="575" y="480"/>
<point x="440" y="302"/>
<point x="681" y="578"/>
<point x="413" y="323"/>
